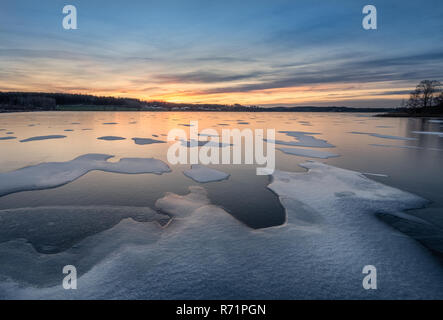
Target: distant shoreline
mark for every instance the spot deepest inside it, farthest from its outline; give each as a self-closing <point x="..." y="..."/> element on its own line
<point x="123" y="109"/>
<point x="42" y="101"/>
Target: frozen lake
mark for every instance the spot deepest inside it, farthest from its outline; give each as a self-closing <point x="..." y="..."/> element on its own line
<point x="296" y="234"/>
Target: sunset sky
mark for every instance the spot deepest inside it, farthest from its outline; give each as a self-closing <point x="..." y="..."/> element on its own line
<point x="249" y="52"/>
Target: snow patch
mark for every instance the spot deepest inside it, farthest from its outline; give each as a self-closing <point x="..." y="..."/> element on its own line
<point x="43" y="138"/>
<point x="432" y="133"/>
<point x="305" y="139"/>
<point x="204" y="174"/>
<point x="144" y="141"/>
<point x="54" y="174"/>
<point x="111" y="138"/>
<point x="383" y="136"/>
<point x="309" y="153"/>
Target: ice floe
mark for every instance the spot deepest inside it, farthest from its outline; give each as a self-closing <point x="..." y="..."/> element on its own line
<point x="54" y="174"/>
<point x="403" y="147"/>
<point x="383" y="136"/>
<point x="309" y="153"/>
<point x="204" y="174"/>
<point x="144" y="141"/>
<point x="432" y="133"/>
<point x="111" y="138"/>
<point x="43" y="138"/>
<point x="194" y="143"/>
<point x="305" y="139"/>
<point x="207" y="135"/>
<point x="375" y="174"/>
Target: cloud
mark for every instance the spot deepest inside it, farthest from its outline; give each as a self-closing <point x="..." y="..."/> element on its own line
<point x="401" y="68"/>
<point x="206" y="77"/>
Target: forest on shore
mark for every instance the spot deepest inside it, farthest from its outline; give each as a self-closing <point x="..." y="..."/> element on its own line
<point x="40" y="101"/>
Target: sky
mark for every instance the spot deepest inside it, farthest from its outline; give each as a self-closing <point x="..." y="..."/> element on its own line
<point x="267" y="53"/>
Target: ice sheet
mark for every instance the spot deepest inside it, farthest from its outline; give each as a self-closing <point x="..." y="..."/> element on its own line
<point x="331" y="233"/>
<point x="144" y="141"/>
<point x="111" y="138"/>
<point x="403" y="147"/>
<point x="384" y="136"/>
<point x="54" y="174"/>
<point x="309" y="153"/>
<point x="305" y="139"/>
<point x="432" y="133"/>
<point x="43" y="138"/>
<point x="204" y="174"/>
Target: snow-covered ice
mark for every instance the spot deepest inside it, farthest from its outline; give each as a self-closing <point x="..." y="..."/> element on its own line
<point x="403" y="147"/>
<point x="305" y="139"/>
<point x="330" y="234"/>
<point x="383" y="136"/>
<point x="207" y="135"/>
<point x="194" y="143"/>
<point x="111" y="138"/>
<point x="144" y="141"/>
<point x="375" y="174"/>
<point x="54" y="174"/>
<point x="201" y="173"/>
<point x="432" y="133"/>
<point x="309" y="153"/>
<point x="43" y="138"/>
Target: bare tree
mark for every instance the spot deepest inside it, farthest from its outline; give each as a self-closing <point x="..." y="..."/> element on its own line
<point x="426" y="94"/>
<point x="440" y="100"/>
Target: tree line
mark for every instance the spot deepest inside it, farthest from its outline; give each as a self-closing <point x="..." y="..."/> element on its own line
<point x="427" y="96"/>
<point x="49" y="101"/>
